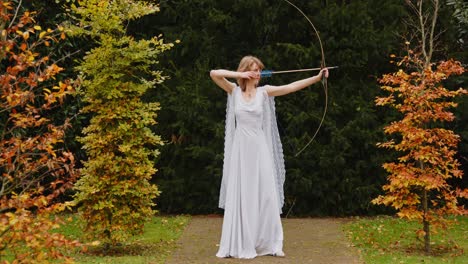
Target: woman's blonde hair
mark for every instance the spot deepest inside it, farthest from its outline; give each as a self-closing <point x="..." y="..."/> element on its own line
<point x="244" y="65"/>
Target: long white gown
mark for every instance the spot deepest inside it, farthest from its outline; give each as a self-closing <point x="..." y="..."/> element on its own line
<point x="252" y="224"/>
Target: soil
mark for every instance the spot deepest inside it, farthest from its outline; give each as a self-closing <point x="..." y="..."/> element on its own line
<point x="306" y="240"/>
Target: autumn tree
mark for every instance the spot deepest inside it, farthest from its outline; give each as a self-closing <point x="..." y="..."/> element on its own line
<point x="418" y="182"/>
<point x="35" y="168"/>
<point x="114" y="192"/>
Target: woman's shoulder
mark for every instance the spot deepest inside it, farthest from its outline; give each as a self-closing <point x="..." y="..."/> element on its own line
<point x="263" y="90"/>
<point x="234" y="90"/>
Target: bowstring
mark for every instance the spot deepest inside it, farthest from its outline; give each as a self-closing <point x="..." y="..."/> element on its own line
<point x="324" y="80"/>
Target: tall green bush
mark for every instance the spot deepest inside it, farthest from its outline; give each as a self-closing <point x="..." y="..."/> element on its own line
<point x="114" y="192"/>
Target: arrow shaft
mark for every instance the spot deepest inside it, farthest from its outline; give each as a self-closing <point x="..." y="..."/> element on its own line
<point x="303" y="70"/>
<point x="268" y="73"/>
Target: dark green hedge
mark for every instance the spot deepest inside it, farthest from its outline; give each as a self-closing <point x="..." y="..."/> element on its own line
<point x="340" y="172"/>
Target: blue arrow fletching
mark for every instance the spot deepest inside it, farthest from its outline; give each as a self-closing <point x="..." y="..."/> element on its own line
<point x="266" y="73"/>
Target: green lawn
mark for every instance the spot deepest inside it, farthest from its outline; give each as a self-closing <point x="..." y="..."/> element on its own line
<point x="156" y="243"/>
<point x="393" y="240"/>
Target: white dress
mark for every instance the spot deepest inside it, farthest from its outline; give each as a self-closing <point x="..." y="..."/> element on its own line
<point x="252" y="224"/>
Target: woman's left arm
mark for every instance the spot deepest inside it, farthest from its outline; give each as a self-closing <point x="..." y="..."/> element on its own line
<point x="295" y="86"/>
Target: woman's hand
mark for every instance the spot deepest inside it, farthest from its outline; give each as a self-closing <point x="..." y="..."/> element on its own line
<point x="250" y="75"/>
<point x="323" y="72"/>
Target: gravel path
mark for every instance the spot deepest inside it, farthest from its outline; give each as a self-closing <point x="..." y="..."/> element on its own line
<point x="307" y="240"/>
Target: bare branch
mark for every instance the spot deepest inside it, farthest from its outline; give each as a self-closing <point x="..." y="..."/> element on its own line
<point x="16" y="14"/>
<point x="423" y="28"/>
<point x="433" y="25"/>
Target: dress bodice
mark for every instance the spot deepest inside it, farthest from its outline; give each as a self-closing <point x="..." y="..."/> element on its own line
<point x="249" y="114"/>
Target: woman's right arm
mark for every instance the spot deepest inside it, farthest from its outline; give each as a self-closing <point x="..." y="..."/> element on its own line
<point x="219" y="77"/>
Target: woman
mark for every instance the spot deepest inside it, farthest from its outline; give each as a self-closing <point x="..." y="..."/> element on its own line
<point x="253" y="173"/>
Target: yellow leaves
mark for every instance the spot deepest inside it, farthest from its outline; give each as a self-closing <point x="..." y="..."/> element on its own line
<point x="95" y="243"/>
<point x="47" y="91"/>
<point x="31" y="58"/>
<point x="402" y="74"/>
<point x="26" y="35"/>
<point x="441" y="75"/>
<point x="378" y="200"/>
<point x="7" y="5"/>
<point x="388" y="144"/>
<point x="380" y="101"/>
<point x="48" y="36"/>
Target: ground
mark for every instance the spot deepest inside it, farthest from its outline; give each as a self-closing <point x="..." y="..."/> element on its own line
<point x="306" y="240"/>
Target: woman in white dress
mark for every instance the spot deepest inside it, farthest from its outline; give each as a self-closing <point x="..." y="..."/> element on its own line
<point x="253" y="173"/>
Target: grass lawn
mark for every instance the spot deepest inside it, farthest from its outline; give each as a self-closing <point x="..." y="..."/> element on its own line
<point x="156" y="243"/>
<point x="393" y="240"/>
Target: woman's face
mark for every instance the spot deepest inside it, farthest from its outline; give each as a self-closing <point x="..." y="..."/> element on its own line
<point x="255" y="68"/>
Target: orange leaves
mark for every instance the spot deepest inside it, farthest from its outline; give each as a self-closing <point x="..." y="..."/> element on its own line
<point x="389" y="100"/>
<point x="410" y="213"/>
<point x="420" y="92"/>
<point x="451" y="67"/>
<point x="52" y="70"/>
<point x="23" y="46"/>
<point x="419" y="177"/>
<point x="30" y="161"/>
<point x="29" y="236"/>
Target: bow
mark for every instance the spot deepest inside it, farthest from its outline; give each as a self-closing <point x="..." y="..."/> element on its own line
<point x="324" y="80"/>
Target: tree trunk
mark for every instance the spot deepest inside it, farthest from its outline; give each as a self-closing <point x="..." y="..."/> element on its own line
<point x="426" y="225"/>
